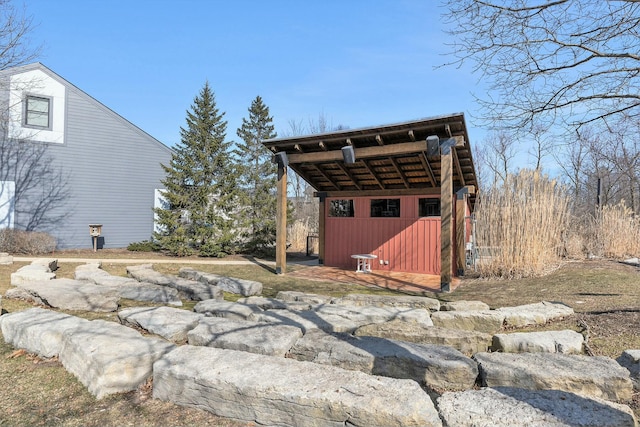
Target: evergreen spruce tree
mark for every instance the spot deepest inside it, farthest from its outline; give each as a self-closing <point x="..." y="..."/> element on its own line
<point x="200" y="185"/>
<point x="257" y="178"/>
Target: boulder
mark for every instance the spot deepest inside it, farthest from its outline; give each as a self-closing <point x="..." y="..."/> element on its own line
<point x="534" y="314"/>
<point x="37" y="330"/>
<point x="632" y="261"/>
<point x="630" y="359"/>
<point x="464" y="306"/>
<point x="229" y="284"/>
<point x="467" y="342"/>
<point x="267" y="303"/>
<point x="566" y="342"/>
<point x="365" y="315"/>
<point x="305" y="320"/>
<point x="599" y="377"/>
<point x="23" y="294"/>
<point x="190" y="289"/>
<point x="433" y="365"/>
<point x="49" y="264"/>
<point x="230" y="310"/>
<point x="169" y="323"/>
<point x="243" y="335"/>
<point x="70" y="294"/>
<point x="278" y="391"/>
<point x="108" y="357"/>
<point x="5" y="259"/>
<point x="294" y="296"/>
<point x="92" y="272"/>
<point x="34" y="272"/>
<point x="509" y="407"/>
<point x="480" y="321"/>
<point x="404" y="301"/>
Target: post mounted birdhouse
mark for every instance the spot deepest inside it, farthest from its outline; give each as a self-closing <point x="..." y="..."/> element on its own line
<point x="95" y="230"/>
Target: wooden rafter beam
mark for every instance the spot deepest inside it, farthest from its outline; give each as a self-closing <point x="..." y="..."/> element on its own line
<point x="325" y="176"/>
<point x="349" y="174"/>
<point x="361" y="153"/>
<point x="456" y="161"/>
<point x="373" y="174"/>
<point x="427" y="167"/>
<point x="399" y="170"/>
<point x="382" y="193"/>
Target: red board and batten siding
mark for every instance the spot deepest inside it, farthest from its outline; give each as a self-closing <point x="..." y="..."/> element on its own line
<point x="409" y="243"/>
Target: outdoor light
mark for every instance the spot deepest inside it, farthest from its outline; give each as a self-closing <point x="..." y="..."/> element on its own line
<point x="348" y="154"/>
<point x="433" y="145"/>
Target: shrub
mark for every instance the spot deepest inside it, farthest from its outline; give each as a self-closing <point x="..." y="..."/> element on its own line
<point x="144" y="246"/>
<point x="26" y="242"/>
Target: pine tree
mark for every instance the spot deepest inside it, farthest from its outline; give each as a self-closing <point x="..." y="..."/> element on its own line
<point x="200" y="185"/>
<point x="257" y="178"/>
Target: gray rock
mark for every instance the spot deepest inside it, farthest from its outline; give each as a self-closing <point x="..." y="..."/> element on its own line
<point x="30" y="273"/>
<point x="23" y="294"/>
<point x="49" y="264"/>
<point x="92" y="272"/>
<point x="267" y="303"/>
<point x="230" y="310"/>
<point x="480" y="321"/>
<point x="37" y="330"/>
<point x="169" y="323"/>
<point x="433" y="365"/>
<point x="534" y="314"/>
<point x="467" y="342"/>
<point x="70" y="294"/>
<point x="5" y="259"/>
<point x="405" y="301"/>
<point x="599" y="377"/>
<point x="630" y="359"/>
<point x="632" y="261"/>
<point x="464" y="306"/>
<point x="305" y="320"/>
<point x="294" y="296"/>
<point x="108" y="357"/>
<point x="229" y="284"/>
<point x="278" y="391"/>
<point x="511" y="407"/>
<point x="566" y="342"/>
<point x="190" y="289"/>
<point x="365" y="315"/>
<point x="243" y="335"/>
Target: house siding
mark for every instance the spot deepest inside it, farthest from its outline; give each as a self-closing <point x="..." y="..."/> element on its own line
<point x="112" y="170"/>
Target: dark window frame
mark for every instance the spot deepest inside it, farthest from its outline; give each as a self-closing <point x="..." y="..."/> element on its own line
<point x="433" y="208"/>
<point x="384" y="209"/>
<point x="27" y="111"/>
<point x="349" y="210"/>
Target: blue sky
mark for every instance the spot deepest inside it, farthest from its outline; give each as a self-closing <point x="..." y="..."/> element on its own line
<point x="358" y="62"/>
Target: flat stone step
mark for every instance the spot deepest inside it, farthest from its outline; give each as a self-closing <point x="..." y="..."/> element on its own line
<point x="37" y="330"/>
<point x="243" y="335"/>
<point x="467" y="342"/>
<point x="295" y="296"/>
<point x="464" y="306"/>
<point x="488" y="322"/>
<point x="535" y="314"/>
<point x="566" y="342"/>
<point x="229" y="284"/>
<point x="600" y="377"/>
<point x="404" y="301"/>
<point x="436" y="366"/>
<point x="172" y="324"/>
<point x="70" y="294"/>
<point x="228" y="309"/>
<point x="284" y="392"/>
<point x="110" y="358"/>
<point x="190" y="289"/>
<point x="512" y="407"/>
<point x="630" y="359"/>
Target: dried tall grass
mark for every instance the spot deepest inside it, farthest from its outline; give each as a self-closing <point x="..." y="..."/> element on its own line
<point x="520" y="226"/>
<point x="616" y="232"/>
<point x="297" y="235"/>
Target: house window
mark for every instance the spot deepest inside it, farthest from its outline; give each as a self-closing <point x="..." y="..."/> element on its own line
<point x="385" y="208"/>
<point x="341" y="208"/>
<point x="37" y="112"/>
<point x="429" y="207"/>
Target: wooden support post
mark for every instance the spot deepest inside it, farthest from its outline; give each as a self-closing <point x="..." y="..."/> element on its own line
<point x="281" y="221"/>
<point x="461" y="204"/>
<point x="321" y="227"/>
<point x="446" y="202"/>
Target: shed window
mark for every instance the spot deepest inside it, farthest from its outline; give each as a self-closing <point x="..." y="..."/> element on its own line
<point x="37" y="112"/>
<point x="429" y="207"/>
<point x="341" y="208"/>
<point x="385" y="208"/>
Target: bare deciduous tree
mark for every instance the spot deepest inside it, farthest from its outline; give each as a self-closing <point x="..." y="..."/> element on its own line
<point x="497" y="155"/>
<point x="564" y="62"/>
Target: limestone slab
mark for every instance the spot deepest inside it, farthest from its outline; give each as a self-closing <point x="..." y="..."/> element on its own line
<point x="405" y="301"/>
<point x="228" y="309"/>
<point x="600" y="377"/>
<point x="70" y="294"/>
<point x="630" y="359"/>
<point x="170" y="323"/>
<point x="228" y="284"/>
<point x="464" y="306"/>
<point x="535" y="314"/>
<point x="467" y="342"/>
<point x="37" y="330"/>
<point x="480" y="321"/>
<point x="510" y="407"/>
<point x="566" y="342"/>
<point x="22" y="277"/>
<point x="307" y="320"/>
<point x="243" y="335"/>
<point x="433" y="365"/>
<point x="295" y="296"/>
<point x="266" y="303"/>
<point x="284" y="392"/>
<point x="110" y="358"/>
<point x="189" y="289"/>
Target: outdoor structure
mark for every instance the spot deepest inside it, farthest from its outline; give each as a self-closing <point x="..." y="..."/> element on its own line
<point x="402" y="192"/>
<point x="111" y="168"/>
